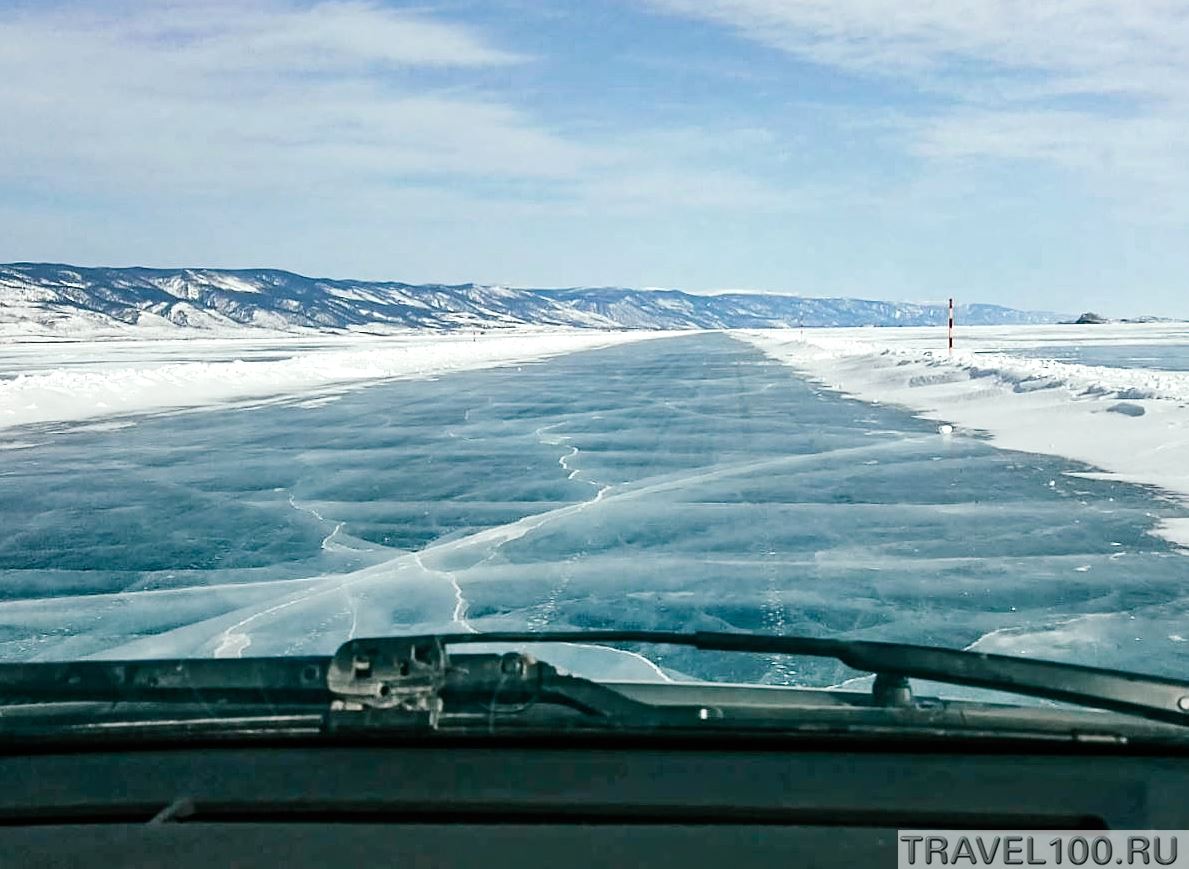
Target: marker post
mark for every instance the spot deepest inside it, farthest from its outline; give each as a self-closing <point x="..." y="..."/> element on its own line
<point x="951" y="333"/>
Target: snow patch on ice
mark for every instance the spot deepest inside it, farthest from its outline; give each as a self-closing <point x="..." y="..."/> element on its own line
<point x="1121" y="640"/>
<point x="1029" y="404"/>
<point x="74" y="391"/>
<point x="1175" y="530"/>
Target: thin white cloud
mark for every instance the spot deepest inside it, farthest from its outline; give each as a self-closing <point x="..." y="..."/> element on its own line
<point x="209" y="101"/>
<point x="1143" y="145"/>
<point x="274" y="35"/>
<point x="214" y="96"/>
<point x="351" y="35"/>
<point x="1090" y="44"/>
<point x="1002" y="71"/>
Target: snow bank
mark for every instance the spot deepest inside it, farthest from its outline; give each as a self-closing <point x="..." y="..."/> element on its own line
<point x="1132" y="423"/>
<point x="90" y="387"/>
<point x="1008" y="338"/>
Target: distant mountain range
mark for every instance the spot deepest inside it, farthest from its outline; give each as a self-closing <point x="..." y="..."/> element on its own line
<point x="51" y="299"/>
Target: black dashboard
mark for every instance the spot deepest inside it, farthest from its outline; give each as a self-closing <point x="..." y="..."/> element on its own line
<point x="489" y="803"/>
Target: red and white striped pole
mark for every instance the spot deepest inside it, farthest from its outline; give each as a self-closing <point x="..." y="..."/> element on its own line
<point x="951" y="325"/>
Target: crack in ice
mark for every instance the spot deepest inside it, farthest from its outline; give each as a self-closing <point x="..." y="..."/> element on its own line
<point x="460" y="602"/>
<point x="325" y="540"/>
<point x="232" y="641"/>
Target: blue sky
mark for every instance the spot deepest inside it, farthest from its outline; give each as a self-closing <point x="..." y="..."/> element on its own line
<point x="1028" y="154"/>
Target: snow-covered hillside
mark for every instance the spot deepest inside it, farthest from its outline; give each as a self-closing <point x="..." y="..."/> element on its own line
<point x="672" y="309"/>
<point x="62" y="300"/>
<point x="58" y="299"/>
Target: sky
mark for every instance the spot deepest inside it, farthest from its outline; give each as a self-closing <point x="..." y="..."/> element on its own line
<point x="1012" y="152"/>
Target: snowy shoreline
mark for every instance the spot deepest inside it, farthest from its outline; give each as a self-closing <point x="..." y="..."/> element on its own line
<point x="73" y="382"/>
<point x="1132" y="423"/>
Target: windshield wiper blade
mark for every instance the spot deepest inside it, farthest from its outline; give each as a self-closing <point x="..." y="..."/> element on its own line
<point x="410" y="680"/>
<point x="404" y="683"/>
<point x="277" y="681"/>
<point x="1151" y="697"/>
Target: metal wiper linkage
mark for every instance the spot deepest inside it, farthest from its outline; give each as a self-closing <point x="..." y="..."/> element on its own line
<point x="414" y="675"/>
<point x="411" y="681"/>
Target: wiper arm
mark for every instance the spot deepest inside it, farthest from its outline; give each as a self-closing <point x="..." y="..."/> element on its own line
<point x="410" y="680"/>
<point x="893" y="664"/>
<point x="389" y="683"/>
<point x="277" y="681"/>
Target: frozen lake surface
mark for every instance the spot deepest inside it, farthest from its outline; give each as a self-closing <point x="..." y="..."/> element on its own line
<point x="678" y="483"/>
<point x="1163" y="357"/>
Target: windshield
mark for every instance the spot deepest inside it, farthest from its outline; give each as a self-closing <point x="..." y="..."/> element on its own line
<point x="334" y="320"/>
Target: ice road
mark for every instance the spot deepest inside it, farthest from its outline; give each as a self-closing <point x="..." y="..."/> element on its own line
<point x="680" y="483"/>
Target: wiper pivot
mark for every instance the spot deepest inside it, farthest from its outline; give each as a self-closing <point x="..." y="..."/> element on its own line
<point x="412" y="681"/>
<point x="401" y="675"/>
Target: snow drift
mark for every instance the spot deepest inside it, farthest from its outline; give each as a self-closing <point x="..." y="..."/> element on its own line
<point x="93" y="389"/>
<point x="1132" y="423"/>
